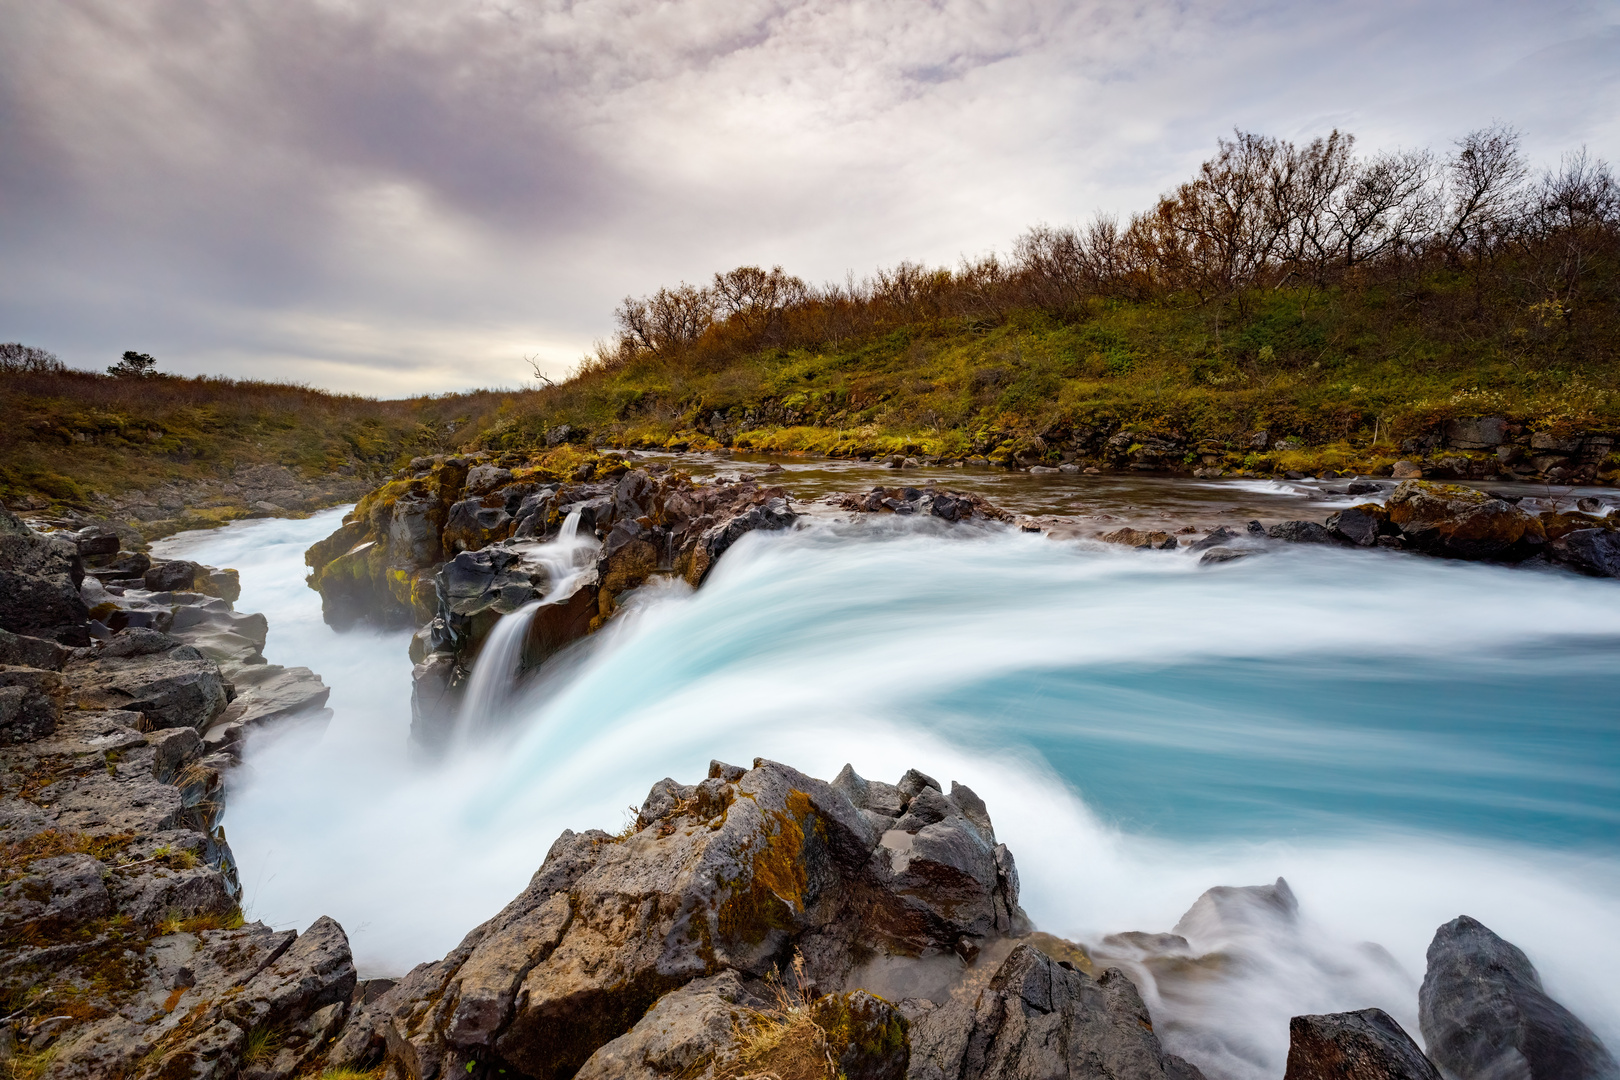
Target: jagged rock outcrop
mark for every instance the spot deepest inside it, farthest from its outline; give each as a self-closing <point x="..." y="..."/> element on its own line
<point x="1485" y="1016"/>
<point x="144" y="671"/>
<point x="379" y="566"/>
<point x="733" y="875"/>
<point x="1365" y="1045"/>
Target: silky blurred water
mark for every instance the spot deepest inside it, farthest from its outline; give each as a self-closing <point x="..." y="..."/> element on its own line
<point x="1404" y="739"/>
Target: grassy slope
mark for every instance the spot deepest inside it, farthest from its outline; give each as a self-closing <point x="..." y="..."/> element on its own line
<point x="68" y="436"/>
<point x="1331" y="370"/>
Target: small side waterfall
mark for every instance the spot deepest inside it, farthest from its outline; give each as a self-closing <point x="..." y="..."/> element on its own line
<point x="500" y="661"/>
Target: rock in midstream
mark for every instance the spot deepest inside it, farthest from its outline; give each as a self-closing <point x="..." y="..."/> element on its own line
<point x="1485" y="1016"/>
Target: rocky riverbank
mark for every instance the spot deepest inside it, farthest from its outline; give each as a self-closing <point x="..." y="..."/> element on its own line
<point x="1481" y="448"/>
<point x="1444" y="520"/>
<point x="125" y="687"/>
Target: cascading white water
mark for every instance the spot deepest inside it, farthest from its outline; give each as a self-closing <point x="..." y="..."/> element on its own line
<point x="1405" y="740"/>
<point x="495" y="673"/>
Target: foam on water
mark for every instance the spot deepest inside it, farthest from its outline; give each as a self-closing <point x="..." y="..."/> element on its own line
<point x="1404" y="739"/>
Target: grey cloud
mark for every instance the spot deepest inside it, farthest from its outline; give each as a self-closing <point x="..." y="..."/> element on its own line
<point x="396" y="194"/>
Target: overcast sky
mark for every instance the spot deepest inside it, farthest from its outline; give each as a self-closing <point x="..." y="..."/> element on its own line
<point x="403" y="196"/>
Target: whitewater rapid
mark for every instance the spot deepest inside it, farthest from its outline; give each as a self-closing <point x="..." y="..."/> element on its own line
<point x="1403" y="739"/>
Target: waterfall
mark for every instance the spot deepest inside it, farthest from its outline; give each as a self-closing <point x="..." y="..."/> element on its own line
<point x="500" y="661"/>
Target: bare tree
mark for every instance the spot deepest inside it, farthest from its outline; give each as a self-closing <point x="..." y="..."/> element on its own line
<point x="1390" y="204"/>
<point x="540" y="375"/>
<point x="756" y="298"/>
<point x="1217" y="233"/>
<point x="1065" y="266"/>
<point x="1573" y="216"/>
<point x="667" y="322"/>
<point x="1302" y="188"/>
<point x="1484" y="178"/>
<point x="17" y="358"/>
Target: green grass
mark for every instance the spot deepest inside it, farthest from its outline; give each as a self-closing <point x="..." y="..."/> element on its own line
<point x="1333" y="369"/>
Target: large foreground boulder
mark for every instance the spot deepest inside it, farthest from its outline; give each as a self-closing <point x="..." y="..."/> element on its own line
<point x="1365" y="1045"/>
<point x="738" y="873"/>
<point x="1485" y="1016"/>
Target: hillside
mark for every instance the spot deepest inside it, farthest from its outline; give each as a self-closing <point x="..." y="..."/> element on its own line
<point x="1340" y="379"/>
<point x="1288" y="308"/>
<point x="73" y="438"/>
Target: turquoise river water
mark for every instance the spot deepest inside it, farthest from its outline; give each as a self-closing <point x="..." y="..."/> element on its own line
<point x="1403" y="739"/>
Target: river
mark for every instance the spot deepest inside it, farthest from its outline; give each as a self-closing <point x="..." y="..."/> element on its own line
<point x="1403" y="739"/>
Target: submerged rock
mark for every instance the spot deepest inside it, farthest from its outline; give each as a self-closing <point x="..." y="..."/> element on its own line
<point x="1485" y="1016"/>
<point x="942" y="503"/>
<point x="1361" y="525"/>
<point x="1214" y="538"/>
<point x="1301" y="532"/>
<point x="1365" y="1045"/>
<point x="1142" y="540"/>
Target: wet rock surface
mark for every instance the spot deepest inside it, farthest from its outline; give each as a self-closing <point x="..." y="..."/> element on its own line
<point x="1485" y="1015"/>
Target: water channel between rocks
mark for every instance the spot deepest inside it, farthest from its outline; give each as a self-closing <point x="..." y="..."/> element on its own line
<point x="1404" y="739"/>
